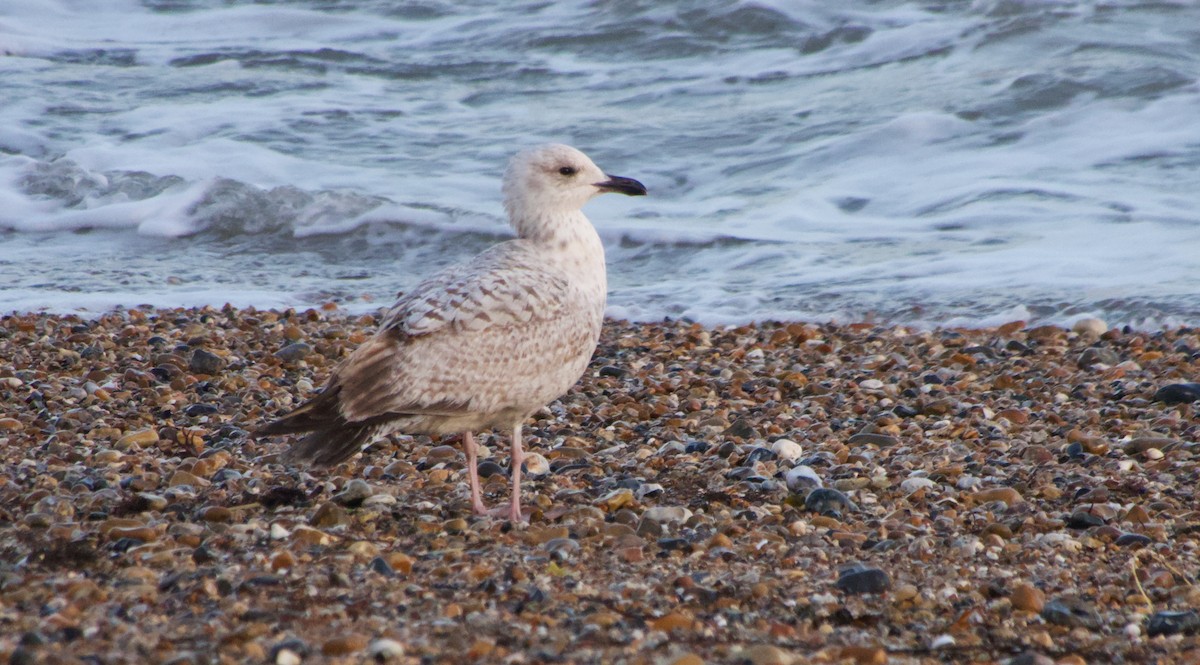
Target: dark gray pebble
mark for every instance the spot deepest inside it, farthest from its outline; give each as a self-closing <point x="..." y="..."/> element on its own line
<point x="1132" y="540"/>
<point x="828" y="501"/>
<point x="609" y="370"/>
<point x="674" y="544"/>
<point x="293" y="352"/>
<point x="1172" y="623"/>
<point x="696" y="447"/>
<point x="741" y="429"/>
<point x="262" y="580"/>
<point x="873" y="439"/>
<point x="381" y="566"/>
<point x="1178" y="393"/>
<point x="294" y="645"/>
<point x="204" y="362"/>
<point x="859" y="579"/>
<point x="196" y="410"/>
<point x="1030" y="658"/>
<point x="1072" y="612"/>
<point x="1098" y="355"/>
<point x="489" y="468"/>
<point x="904" y="411"/>
<point x="758" y="454"/>
<point x="1082" y="519"/>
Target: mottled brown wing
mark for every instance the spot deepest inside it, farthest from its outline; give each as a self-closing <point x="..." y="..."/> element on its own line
<point x="445" y="348"/>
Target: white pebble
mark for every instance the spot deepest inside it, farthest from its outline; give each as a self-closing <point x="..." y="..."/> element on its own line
<point x="910" y="485"/>
<point x="942" y="641"/>
<point x="536" y="464"/>
<point x="787" y="450"/>
<point x="1090" y="326"/>
<point x="278" y="532"/>
<point x="287" y="657"/>
<point x="871" y="384"/>
<point x="385" y="649"/>
<point x="379" y="500"/>
<point x="800" y="478"/>
<point x="667" y="514"/>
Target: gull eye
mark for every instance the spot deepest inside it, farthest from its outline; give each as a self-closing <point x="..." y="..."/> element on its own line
<point x="567" y="170"/>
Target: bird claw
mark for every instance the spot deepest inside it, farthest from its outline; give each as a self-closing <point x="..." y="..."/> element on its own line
<point x="501" y="511"/>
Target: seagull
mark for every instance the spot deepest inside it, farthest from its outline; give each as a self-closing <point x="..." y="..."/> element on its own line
<point x="483" y="344"/>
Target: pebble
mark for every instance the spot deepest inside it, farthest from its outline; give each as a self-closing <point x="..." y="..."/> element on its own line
<point x="139" y="438"/>
<point x="667" y="514"/>
<point x="873" y="439"/>
<point x="1098" y="355"/>
<point x="787" y="450"/>
<point x="328" y="515"/>
<point x="489" y="468"/>
<point x="354" y="493"/>
<point x="1090" y="326"/>
<point x="1072" y="612"/>
<point x="764" y="654"/>
<point x="1028" y="598"/>
<point x="859" y="579"/>
<point x="293" y="352"/>
<point x="536" y="464"/>
<point x="344" y="645"/>
<point x="1173" y="623"/>
<point x="910" y="485"/>
<point x="205" y="362"/>
<point x="800" y="479"/>
<point x="1005" y="495"/>
<point x="384" y="650"/>
<point x="1178" y="393"/>
<point x="828" y="501"/>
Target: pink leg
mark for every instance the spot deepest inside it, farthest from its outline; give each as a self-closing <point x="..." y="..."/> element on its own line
<point x="518" y="457"/>
<point x="513" y="512"/>
<point x="473" y="474"/>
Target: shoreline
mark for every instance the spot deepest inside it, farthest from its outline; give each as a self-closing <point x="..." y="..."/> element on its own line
<point x="995" y="488"/>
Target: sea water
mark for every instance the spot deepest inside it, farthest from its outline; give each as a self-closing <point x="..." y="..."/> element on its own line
<point x="934" y="163"/>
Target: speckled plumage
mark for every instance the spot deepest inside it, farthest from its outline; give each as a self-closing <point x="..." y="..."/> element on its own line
<point x="483" y="344"/>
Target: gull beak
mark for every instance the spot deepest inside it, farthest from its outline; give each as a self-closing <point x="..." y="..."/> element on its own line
<point x="628" y="186"/>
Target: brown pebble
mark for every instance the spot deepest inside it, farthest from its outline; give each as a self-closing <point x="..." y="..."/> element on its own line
<point x="1008" y="495"/>
<point x="864" y="655"/>
<point x="1027" y="598"/>
<point x="765" y="654"/>
<point x="329" y="514"/>
<point x="309" y="536"/>
<point x="187" y="478"/>
<point x="1141" y="444"/>
<point x="143" y="533"/>
<point x="138" y="438"/>
<point x="219" y="514"/>
<point x="687" y="659"/>
<point x="400" y="562"/>
<point x="672" y="621"/>
<point x="1137" y="515"/>
<point x="344" y="646"/>
<point x="282" y="561"/>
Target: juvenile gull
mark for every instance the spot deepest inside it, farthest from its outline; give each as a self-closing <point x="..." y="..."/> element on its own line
<point x="482" y="344"/>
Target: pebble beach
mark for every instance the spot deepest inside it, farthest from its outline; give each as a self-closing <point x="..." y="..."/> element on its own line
<point x="774" y="493"/>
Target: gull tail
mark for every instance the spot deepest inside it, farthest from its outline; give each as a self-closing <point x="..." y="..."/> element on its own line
<point x="332" y="438"/>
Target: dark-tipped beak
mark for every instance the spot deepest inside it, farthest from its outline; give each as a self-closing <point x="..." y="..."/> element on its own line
<point x="616" y="183"/>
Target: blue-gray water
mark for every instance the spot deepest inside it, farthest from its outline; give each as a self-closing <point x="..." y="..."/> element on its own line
<point x="936" y="162"/>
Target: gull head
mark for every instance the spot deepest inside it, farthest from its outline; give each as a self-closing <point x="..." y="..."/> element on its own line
<point x="555" y="179"/>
